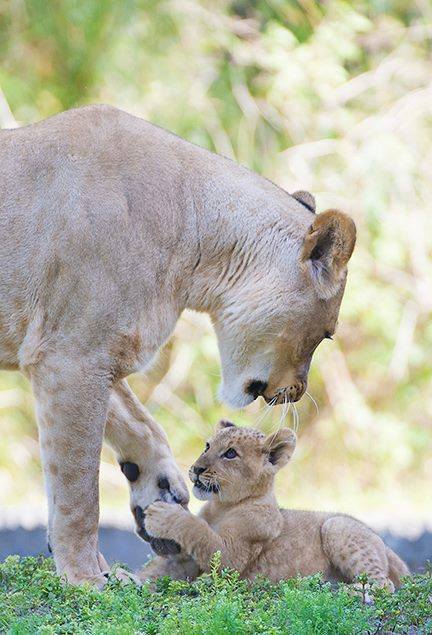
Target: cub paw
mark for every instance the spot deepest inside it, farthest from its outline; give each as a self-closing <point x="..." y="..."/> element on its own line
<point x="160" y="518"/>
<point x="161" y="546"/>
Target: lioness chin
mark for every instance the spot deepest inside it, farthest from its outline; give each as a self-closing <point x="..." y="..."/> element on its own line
<point x="242" y="520"/>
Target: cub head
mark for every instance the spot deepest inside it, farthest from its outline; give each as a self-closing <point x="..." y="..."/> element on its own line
<point x="282" y="300"/>
<point x="240" y="462"/>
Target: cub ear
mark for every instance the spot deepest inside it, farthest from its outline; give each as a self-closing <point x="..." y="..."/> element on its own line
<point x="327" y="248"/>
<point x="280" y="447"/>
<point x="223" y="423"/>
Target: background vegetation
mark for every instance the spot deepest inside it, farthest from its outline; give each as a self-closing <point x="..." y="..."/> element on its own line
<point x="334" y="97"/>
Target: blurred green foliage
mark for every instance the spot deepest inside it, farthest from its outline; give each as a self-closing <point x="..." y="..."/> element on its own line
<point x="334" y="97"/>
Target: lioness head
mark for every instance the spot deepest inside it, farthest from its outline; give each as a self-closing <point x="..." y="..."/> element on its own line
<point x="280" y="302"/>
<point x="240" y="462"/>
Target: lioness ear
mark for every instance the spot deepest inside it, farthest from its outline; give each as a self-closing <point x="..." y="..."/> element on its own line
<point x="223" y="423"/>
<point x="280" y="447"/>
<point x="305" y="198"/>
<point x="326" y="250"/>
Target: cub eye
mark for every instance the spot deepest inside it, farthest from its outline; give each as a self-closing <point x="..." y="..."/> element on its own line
<point x="230" y="454"/>
<point x="328" y="335"/>
<point x="206" y="447"/>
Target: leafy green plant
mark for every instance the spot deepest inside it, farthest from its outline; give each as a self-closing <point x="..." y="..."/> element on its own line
<point x="34" y="600"/>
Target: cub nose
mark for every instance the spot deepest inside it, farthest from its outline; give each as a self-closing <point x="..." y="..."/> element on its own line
<point x="198" y="470"/>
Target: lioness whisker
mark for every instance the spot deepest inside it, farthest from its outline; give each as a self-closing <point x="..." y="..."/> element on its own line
<point x="296" y="417"/>
<point x="278" y="424"/>
<point x="266" y="411"/>
<point x="313" y="401"/>
<point x="284" y="411"/>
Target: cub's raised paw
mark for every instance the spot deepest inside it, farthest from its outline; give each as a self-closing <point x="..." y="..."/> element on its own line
<point x="161" y="546"/>
<point x="161" y="519"/>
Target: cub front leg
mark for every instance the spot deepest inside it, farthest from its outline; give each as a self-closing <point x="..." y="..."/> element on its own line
<point x="145" y="458"/>
<point x="72" y="400"/>
<point x="193" y="534"/>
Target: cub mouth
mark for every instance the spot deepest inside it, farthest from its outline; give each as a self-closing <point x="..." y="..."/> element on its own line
<point x="213" y="489"/>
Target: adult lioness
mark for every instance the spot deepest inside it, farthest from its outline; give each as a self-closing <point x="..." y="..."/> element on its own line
<point x="109" y="228"/>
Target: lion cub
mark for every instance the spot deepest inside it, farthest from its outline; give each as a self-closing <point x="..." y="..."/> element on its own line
<point x="242" y="520"/>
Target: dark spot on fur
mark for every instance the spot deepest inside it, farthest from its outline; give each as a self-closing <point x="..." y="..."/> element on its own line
<point x="164" y="547"/>
<point x="144" y="535"/>
<point x="224" y="423"/>
<point x="306" y="199"/>
<point x="163" y="483"/>
<point x="139" y="514"/>
<point x="130" y="470"/>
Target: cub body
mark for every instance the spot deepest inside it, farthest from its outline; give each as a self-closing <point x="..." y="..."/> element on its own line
<point x="242" y="520"/>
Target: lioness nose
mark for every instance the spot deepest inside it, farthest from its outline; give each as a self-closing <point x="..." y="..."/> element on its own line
<point x="256" y="388"/>
<point x="296" y="391"/>
<point x="198" y="470"/>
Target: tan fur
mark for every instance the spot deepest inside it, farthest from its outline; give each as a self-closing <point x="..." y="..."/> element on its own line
<point x="243" y="521"/>
<point x="109" y="228"/>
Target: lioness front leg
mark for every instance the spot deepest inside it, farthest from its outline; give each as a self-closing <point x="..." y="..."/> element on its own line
<point x="72" y="400"/>
<point x="145" y="458"/>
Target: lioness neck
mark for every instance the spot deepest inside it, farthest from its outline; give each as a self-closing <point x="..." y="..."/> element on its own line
<point x="242" y="219"/>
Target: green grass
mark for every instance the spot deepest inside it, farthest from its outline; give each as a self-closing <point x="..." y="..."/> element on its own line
<point x="34" y="600"/>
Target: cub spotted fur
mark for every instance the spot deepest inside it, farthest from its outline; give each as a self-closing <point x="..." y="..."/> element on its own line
<point x="242" y="520"/>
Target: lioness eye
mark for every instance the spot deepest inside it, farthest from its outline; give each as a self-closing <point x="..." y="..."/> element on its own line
<point x="230" y="454"/>
<point x="206" y="447"/>
<point x="328" y="335"/>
